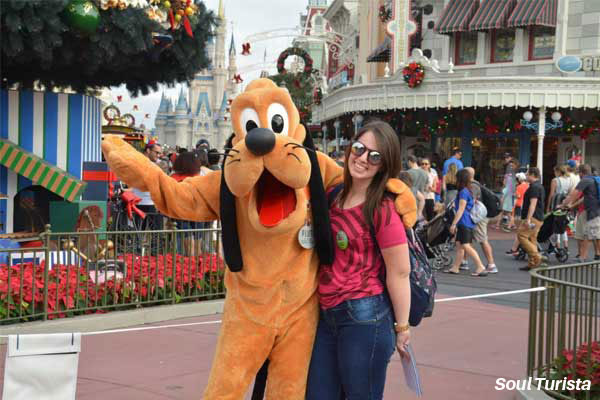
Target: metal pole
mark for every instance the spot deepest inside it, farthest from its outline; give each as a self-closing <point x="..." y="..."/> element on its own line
<point x="583" y="143"/>
<point x="337" y="136"/>
<point x="324" y="129"/>
<point x="541" y="134"/>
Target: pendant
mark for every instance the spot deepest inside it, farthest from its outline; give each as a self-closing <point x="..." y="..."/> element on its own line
<point x="342" y="240"/>
<point x="306" y="237"/>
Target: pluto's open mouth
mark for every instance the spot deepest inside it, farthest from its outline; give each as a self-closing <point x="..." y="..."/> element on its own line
<point x="274" y="200"/>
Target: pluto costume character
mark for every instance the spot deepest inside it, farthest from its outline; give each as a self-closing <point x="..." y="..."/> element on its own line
<point x="271" y="188"/>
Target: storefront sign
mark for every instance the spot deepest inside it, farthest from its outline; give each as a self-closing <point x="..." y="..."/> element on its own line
<point x="338" y="80"/>
<point x="571" y="64"/>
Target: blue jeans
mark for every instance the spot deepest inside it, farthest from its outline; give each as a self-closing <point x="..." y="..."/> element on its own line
<point x="354" y="343"/>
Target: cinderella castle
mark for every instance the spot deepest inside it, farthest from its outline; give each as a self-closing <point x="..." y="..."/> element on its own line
<point x="202" y="112"/>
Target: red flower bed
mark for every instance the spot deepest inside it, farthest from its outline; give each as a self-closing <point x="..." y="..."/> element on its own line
<point x="72" y="290"/>
<point x="574" y="365"/>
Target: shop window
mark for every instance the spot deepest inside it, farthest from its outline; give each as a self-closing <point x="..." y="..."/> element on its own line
<point x="503" y="46"/>
<point x="541" y="43"/>
<point x="465" y="48"/>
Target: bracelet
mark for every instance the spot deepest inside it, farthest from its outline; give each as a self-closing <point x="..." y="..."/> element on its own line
<point x="401" y="328"/>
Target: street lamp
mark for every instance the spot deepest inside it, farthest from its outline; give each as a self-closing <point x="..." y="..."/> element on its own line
<point x="336" y="125"/>
<point x="357" y="120"/>
<point x="548" y="126"/>
<point x="541" y="127"/>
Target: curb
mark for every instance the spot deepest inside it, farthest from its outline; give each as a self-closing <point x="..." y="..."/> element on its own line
<point x="531" y="395"/>
<point x="115" y="319"/>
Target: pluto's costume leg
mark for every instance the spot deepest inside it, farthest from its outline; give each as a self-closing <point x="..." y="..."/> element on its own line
<point x="290" y="357"/>
<point x="242" y="348"/>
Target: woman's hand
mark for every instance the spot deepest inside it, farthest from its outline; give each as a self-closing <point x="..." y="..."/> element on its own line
<point x="453" y="229"/>
<point x="402" y="342"/>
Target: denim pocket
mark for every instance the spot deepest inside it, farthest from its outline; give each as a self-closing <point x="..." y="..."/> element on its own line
<point x="368" y="310"/>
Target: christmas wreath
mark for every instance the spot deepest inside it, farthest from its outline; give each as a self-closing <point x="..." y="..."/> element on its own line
<point x="295" y="51"/>
<point x="318" y="97"/>
<point x="385" y="14"/>
<point x="414" y="73"/>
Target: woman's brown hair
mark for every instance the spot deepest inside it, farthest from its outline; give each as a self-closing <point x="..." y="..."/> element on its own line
<point x="560" y="170"/>
<point x="451" y="174"/>
<point x="389" y="148"/>
<point x="187" y="163"/>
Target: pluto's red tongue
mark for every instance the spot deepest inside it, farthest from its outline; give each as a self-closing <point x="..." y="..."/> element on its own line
<point x="274" y="201"/>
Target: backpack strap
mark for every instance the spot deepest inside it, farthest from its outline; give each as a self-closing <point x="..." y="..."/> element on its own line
<point x="331" y="196"/>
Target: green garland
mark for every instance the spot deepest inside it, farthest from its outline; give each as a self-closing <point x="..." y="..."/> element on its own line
<point x="301" y="89"/>
<point x="37" y="45"/>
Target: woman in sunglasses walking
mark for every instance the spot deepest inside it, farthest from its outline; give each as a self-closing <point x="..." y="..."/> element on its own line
<point x="365" y="294"/>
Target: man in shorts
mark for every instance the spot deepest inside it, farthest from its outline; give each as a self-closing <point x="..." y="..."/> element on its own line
<point x="532" y="215"/>
<point x="480" y="232"/>
<point x="590" y="219"/>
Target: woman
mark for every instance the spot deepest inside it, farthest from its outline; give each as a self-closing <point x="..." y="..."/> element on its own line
<point x="431" y="186"/>
<point x="463" y="226"/>
<point x="189" y="164"/>
<point x="449" y="184"/>
<point x="508" y="196"/>
<point x="367" y="287"/>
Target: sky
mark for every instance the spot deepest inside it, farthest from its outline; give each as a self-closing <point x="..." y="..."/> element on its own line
<point x="249" y="17"/>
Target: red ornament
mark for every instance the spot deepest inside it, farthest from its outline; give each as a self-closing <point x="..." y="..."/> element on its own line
<point x="246" y="49"/>
<point x="238" y="79"/>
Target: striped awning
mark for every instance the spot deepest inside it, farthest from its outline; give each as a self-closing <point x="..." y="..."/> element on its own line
<point x="534" y="13"/>
<point x="40" y="171"/>
<point x="493" y="14"/>
<point x="456" y="16"/>
<point x="382" y="52"/>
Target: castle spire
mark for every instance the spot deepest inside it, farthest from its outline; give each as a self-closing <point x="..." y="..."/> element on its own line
<point x="232" y="46"/>
<point x="221" y="9"/>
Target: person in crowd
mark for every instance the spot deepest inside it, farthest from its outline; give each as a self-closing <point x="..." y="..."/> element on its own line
<point x="430" y="188"/>
<point x="153" y="220"/>
<point x="455" y="159"/>
<point x="438" y="186"/>
<point x="508" y="192"/>
<point x="463" y="226"/>
<point x="560" y="187"/>
<point x="572" y="173"/>
<point x="203" y="144"/>
<point x="522" y="186"/>
<point x="449" y="184"/>
<point x="591" y="203"/>
<point x="214" y="159"/>
<point x="338" y="156"/>
<point x="356" y="333"/>
<point x="480" y="232"/>
<point x="420" y="181"/>
<point x="532" y="215"/>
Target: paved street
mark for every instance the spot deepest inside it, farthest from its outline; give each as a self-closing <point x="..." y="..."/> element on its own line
<point x="461" y="350"/>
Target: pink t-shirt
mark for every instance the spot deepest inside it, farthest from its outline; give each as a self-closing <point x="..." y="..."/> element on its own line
<point x="355" y="272"/>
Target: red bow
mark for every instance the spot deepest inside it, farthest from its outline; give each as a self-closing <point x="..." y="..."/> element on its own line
<point x="246" y="49"/>
<point x="147" y="116"/>
<point x="131" y="201"/>
<point x="237" y="78"/>
<point x="135" y="107"/>
<point x="119" y="98"/>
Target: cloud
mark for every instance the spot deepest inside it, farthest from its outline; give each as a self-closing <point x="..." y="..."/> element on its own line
<point x="249" y="17"/>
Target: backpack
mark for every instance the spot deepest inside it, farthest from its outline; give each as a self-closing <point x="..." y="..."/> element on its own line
<point x="422" y="282"/>
<point x="478" y="212"/>
<point x="490" y="201"/>
<point x="597" y="181"/>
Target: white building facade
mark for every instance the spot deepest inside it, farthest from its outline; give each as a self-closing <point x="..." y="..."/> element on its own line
<point x="494" y="61"/>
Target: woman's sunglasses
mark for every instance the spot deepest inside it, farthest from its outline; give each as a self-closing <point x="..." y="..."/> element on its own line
<point x="358" y="149"/>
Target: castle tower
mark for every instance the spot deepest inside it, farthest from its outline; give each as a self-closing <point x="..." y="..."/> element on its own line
<point x="219" y="70"/>
<point x="161" y="119"/>
<point x="232" y="69"/>
<point x="181" y="122"/>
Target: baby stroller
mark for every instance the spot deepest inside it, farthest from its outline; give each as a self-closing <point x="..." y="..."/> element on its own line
<point x="437" y="239"/>
<point x="555" y="222"/>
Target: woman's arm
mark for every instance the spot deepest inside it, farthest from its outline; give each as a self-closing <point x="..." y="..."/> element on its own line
<point x="420" y="203"/>
<point x="397" y="266"/>
<point x="551" y="195"/>
<point x="462" y="205"/>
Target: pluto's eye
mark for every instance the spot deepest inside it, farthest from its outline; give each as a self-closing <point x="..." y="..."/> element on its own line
<point x="277" y="123"/>
<point x="277" y="116"/>
<point x="249" y="120"/>
<point x="250" y="125"/>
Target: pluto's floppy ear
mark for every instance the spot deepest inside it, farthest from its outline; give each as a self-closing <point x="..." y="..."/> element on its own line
<point x="319" y="206"/>
<point x="229" y="232"/>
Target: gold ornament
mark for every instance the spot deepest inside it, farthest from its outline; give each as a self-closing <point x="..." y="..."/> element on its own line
<point x="177" y="17"/>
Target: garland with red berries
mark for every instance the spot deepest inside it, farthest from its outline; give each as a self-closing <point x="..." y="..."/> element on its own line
<point x="295" y="51"/>
<point x="385" y="14"/>
<point x="413" y="73"/>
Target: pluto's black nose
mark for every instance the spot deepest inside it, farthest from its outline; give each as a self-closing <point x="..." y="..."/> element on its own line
<point x="260" y="141"/>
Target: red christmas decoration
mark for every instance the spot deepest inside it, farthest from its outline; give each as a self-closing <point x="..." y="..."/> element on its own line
<point x="246" y="49"/>
<point x="135" y="107"/>
<point x="119" y="98"/>
<point x="413" y="73"/>
<point x="238" y="79"/>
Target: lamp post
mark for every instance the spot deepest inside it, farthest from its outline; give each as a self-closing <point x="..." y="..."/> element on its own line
<point x="324" y="129"/>
<point x="541" y="127"/>
<point x="336" y="125"/>
<point x="357" y="120"/>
